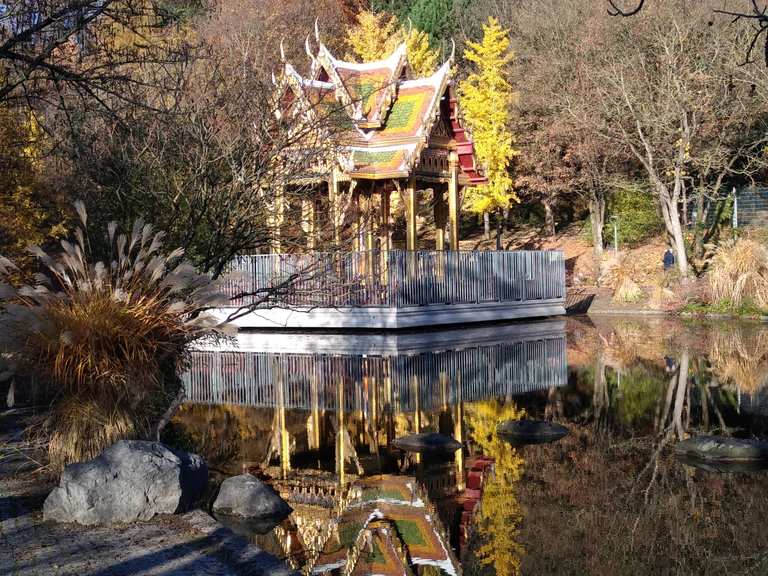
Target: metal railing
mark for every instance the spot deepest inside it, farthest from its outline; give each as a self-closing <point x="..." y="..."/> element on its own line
<point x="396" y="278"/>
<point x="399" y="383"/>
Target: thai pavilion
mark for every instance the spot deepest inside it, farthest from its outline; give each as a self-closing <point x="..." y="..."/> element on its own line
<point x="388" y="144"/>
<point x="403" y="136"/>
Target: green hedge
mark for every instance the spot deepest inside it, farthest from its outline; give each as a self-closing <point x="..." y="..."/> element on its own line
<point x="636" y="213"/>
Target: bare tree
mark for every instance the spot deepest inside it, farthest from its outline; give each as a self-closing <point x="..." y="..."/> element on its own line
<point x="229" y="164"/>
<point x="671" y="93"/>
<point x="90" y="51"/>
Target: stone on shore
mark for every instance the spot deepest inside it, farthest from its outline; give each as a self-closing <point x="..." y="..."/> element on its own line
<point x="131" y="480"/>
<point x="246" y="496"/>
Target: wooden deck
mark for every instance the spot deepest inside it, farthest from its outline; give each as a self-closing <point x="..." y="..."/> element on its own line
<point x="394" y="289"/>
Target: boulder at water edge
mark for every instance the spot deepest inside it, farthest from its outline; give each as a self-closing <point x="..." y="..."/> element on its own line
<point x="723" y="449"/>
<point x="131" y="480"/>
<point x="429" y="443"/>
<point x="531" y="431"/>
<point x="248" y="497"/>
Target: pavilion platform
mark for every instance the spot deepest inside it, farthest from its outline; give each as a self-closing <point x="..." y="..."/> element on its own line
<point x="393" y="289"/>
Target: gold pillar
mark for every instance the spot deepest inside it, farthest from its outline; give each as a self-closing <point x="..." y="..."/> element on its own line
<point x="411" y="204"/>
<point x="453" y="199"/>
<point x="314" y="419"/>
<point x="276" y="220"/>
<point x="308" y="221"/>
<point x="440" y="218"/>
<point x="285" y="444"/>
<point x="340" y="449"/>
<point x="334" y="200"/>
<point x="358" y="216"/>
<point x="385" y="234"/>
<point x="458" y="427"/>
<point x="417" y="413"/>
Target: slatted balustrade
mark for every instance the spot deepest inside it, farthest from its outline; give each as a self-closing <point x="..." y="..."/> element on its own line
<point x="391" y="382"/>
<point x="396" y="278"/>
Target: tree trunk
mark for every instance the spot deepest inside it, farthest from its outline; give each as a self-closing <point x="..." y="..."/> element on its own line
<point x="549" y="218"/>
<point x="597" y="220"/>
<point x="506" y="219"/>
<point x="169" y="413"/>
<point x="674" y="227"/>
<point x="487" y="225"/>
<point x="499" y="229"/>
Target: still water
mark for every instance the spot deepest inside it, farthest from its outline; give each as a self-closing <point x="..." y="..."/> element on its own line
<point x="318" y="416"/>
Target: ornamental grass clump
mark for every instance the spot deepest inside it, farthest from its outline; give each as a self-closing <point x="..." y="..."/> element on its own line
<point x="738" y="274"/>
<point x="105" y="341"/>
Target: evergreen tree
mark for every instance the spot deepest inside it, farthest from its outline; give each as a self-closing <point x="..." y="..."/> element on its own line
<point x="486" y="98"/>
<point x="435" y="17"/>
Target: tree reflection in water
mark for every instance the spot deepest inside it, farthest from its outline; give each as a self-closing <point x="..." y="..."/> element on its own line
<point x="612" y="498"/>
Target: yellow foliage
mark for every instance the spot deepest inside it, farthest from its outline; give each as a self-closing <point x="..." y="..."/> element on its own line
<point x="374" y="37"/>
<point x="422" y="59"/>
<point x="486" y="98"/>
<point x="377" y="35"/>
<point x="500" y="515"/>
<point x="23" y="220"/>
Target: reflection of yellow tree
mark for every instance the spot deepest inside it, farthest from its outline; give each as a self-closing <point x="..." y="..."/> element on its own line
<point x="500" y="515"/>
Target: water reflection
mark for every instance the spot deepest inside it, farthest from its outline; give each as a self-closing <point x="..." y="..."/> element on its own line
<point x="609" y="498"/>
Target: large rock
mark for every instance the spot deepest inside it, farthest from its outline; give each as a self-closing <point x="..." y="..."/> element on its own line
<point x="523" y="432"/>
<point x="723" y="449"/>
<point x="429" y="443"/>
<point x="248" y="497"/>
<point x="131" y="480"/>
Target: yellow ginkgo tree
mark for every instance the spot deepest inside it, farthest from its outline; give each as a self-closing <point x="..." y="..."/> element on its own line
<point x="376" y="36"/>
<point x="486" y="98"/>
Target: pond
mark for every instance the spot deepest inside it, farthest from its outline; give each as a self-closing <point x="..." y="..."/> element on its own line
<point x="319" y="416"/>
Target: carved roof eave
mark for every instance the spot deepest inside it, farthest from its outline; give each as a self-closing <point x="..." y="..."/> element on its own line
<point x="442" y="78"/>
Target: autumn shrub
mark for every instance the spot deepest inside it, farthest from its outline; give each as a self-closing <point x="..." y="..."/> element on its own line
<point x="105" y="341"/>
<point x="738" y="274"/>
<point x="619" y="275"/>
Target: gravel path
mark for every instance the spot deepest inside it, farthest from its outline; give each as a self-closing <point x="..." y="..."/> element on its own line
<point x="192" y="543"/>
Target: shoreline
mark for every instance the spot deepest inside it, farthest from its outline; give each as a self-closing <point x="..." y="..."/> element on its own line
<point x="190" y="543"/>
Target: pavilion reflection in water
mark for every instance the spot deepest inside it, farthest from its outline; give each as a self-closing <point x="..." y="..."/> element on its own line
<point x="428" y="371"/>
<point x="353" y="395"/>
<point x="377" y="387"/>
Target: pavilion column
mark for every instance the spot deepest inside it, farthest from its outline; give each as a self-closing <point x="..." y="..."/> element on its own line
<point x="458" y="433"/>
<point x="308" y="214"/>
<point x="285" y="443"/>
<point x="341" y="455"/>
<point x="385" y="233"/>
<point x="441" y="216"/>
<point x="358" y="218"/>
<point x="453" y="199"/>
<point x="334" y="200"/>
<point x="411" y="203"/>
<point x="276" y="219"/>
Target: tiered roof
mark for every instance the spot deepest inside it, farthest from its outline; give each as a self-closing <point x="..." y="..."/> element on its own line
<point x="386" y="528"/>
<point x="390" y="118"/>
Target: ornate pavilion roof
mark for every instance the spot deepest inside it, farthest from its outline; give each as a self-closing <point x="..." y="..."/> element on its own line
<point x="389" y="118"/>
<point x="386" y="528"/>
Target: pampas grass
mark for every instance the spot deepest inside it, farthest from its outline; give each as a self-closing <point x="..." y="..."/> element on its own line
<point x="738" y="274"/>
<point x="105" y="339"/>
